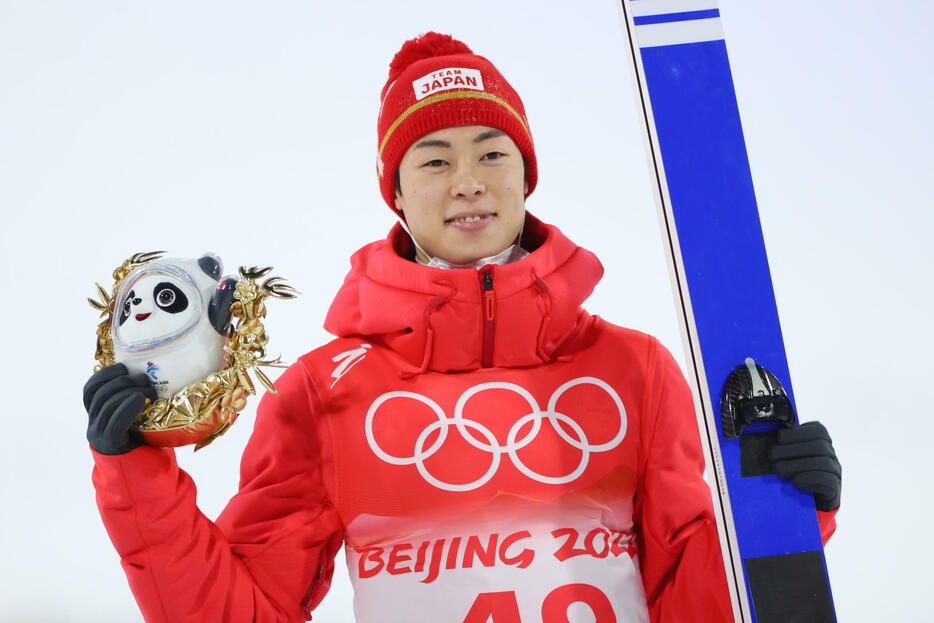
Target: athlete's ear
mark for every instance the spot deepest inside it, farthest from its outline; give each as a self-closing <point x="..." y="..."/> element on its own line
<point x="400" y="202"/>
<point x="525" y="188"/>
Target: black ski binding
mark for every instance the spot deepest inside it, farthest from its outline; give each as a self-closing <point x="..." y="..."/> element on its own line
<point x="752" y="395"/>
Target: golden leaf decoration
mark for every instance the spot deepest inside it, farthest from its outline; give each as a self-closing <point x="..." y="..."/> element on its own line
<point x="265" y="381"/>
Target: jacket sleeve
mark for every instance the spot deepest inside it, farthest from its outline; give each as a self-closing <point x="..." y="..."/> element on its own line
<point x="827" y="520"/>
<point x="682" y="564"/>
<point x="269" y="556"/>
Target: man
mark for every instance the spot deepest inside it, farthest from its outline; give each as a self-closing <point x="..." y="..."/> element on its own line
<point x="485" y="448"/>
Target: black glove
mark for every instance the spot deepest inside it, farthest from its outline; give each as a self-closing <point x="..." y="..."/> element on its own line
<point x="113" y="399"/>
<point x="805" y="456"/>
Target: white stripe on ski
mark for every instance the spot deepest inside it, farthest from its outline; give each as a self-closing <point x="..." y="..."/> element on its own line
<point x="659" y="7"/>
<point x="674" y="33"/>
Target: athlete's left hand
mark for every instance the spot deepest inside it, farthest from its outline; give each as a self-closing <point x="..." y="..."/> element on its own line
<point x="805" y="455"/>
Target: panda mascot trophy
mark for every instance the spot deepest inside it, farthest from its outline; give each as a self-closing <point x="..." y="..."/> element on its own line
<point x="194" y="333"/>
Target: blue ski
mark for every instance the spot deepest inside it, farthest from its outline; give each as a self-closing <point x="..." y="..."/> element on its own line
<point x="720" y="273"/>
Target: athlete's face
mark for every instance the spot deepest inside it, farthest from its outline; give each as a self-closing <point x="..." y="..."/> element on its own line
<point x="462" y="191"/>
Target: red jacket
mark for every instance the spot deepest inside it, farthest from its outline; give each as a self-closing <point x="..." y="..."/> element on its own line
<point x="482" y="445"/>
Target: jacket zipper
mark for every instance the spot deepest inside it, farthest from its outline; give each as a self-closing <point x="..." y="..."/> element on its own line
<point x="489" y="315"/>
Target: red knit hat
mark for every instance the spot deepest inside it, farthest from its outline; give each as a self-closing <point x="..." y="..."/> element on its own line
<point x="437" y="82"/>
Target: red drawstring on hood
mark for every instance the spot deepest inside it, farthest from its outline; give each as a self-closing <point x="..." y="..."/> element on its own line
<point x="433" y="318"/>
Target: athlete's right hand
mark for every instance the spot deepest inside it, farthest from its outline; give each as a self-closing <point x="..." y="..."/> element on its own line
<point x="114" y="398"/>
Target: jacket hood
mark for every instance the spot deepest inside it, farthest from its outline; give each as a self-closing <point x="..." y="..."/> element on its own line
<point x="435" y="318"/>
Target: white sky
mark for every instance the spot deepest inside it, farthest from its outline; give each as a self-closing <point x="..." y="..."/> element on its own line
<point x="249" y="129"/>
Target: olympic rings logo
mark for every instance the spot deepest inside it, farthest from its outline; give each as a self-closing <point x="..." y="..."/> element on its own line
<point x="491" y="445"/>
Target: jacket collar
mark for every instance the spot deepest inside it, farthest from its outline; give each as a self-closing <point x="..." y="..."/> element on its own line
<point x="433" y="318"/>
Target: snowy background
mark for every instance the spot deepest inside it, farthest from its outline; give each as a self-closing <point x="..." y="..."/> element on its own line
<point x="248" y="129"/>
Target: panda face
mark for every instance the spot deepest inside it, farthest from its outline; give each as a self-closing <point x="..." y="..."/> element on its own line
<point x="167" y="296"/>
<point x="157" y="306"/>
